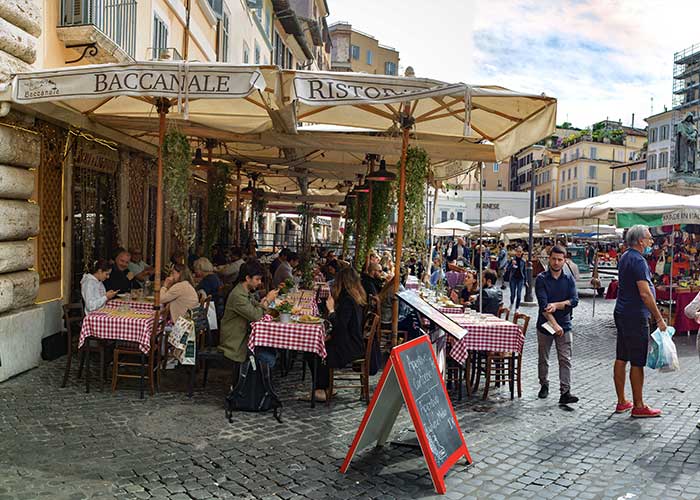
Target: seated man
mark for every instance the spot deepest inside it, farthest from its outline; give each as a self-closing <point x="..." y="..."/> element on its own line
<point x="371" y="280"/>
<point x="121" y="279"/>
<point x="492" y="297"/>
<point x="229" y="272"/>
<point x="285" y="270"/>
<point x="438" y="274"/>
<point x="138" y="267"/>
<point x="241" y="310"/>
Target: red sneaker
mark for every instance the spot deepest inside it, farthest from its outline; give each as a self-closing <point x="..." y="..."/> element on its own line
<point x="623" y="407"/>
<point x="645" y="412"/>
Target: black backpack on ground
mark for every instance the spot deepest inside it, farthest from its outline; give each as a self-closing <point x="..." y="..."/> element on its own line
<point x="254" y="391"/>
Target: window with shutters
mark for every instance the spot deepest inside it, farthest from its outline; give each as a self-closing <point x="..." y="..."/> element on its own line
<point x="574" y="192"/>
<point x="592" y="170"/>
<point x="160" y="35"/>
<point x="256" y="55"/>
<point x="624" y="177"/>
<point x="390" y="68"/>
<point x="355" y="52"/>
<point x="443" y="215"/>
<point x="594" y="153"/>
<point x="642" y="175"/>
<point x="562" y="194"/>
<point x="460" y="216"/>
<point x="370" y="57"/>
<point x="633" y="175"/>
<point x="224" y="36"/>
<point x="246" y="53"/>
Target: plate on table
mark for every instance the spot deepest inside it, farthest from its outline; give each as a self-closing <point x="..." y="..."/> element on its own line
<point x="123" y="296"/>
<point x="307" y="319"/>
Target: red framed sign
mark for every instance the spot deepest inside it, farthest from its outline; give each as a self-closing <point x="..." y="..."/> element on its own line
<point x="412" y="376"/>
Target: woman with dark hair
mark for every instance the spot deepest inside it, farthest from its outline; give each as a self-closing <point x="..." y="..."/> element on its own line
<point x="178" y="291"/>
<point x="92" y="288"/>
<point x="345" y="342"/>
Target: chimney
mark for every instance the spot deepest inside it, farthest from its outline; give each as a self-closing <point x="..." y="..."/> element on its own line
<point x="632" y="120"/>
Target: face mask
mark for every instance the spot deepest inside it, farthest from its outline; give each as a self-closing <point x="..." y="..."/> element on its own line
<point x="647" y="250"/>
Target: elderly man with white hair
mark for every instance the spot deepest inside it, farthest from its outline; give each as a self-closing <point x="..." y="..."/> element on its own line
<point x="636" y="303"/>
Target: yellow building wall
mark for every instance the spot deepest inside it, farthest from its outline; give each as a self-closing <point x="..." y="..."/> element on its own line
<point x="379" y="55"/>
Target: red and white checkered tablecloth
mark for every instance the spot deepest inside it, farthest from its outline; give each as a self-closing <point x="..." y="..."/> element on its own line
<point x="111" y="324"/>
<point x="324" y="291"/>
<point x="292" y="336"/>
<point x="490" y="334"/>
<point x="139" y="305"/>
<point x="450" y="310"/>
<point x="412" y="283"/>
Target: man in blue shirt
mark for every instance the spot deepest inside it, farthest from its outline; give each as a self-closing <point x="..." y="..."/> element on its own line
<point x="556" y="297"/>
<point x="636" y="302"/>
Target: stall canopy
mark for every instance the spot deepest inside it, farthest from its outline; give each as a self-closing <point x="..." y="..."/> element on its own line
<point x="630" y="206"/>
<point x="451" y="228"/>
<point x="497" y="226"/>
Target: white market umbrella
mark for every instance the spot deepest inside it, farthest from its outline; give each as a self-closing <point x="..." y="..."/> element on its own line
<point x="451" y="228"/>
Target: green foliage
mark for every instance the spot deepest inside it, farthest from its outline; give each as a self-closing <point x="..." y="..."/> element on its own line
<point x="417" y="166"/>
<point x="350" y="212"/>
<point x="259" y="205"/>
<point x="361" y="230"/>
<point x="382" y="206"/>
<point x="177" y="172"/>
<point x="218" y="185"/>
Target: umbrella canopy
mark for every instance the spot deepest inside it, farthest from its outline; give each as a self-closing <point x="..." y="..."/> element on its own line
<point x="625" y="201"/>
<point x="451" y="228"/>
<point x="204" y="95"/>
<point x="496" y="226"/>
<point x="507" y="120"/>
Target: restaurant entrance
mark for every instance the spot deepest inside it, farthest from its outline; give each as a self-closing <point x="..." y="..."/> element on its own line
<point x="95" y="215"/>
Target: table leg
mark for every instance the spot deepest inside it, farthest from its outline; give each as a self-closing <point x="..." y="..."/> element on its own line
<point x="314" y="368"/>
<point x="468" y="374"/>
<point x="143" y="374"/>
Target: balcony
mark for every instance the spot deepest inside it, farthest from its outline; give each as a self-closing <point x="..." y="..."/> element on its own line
<point x="100" y="31"/>
<point x="167" y="54"/>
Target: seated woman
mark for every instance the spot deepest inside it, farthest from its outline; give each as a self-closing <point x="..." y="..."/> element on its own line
<point x="93" y="290"/>
<point x="345" y="343"/>
<point x="209" y="282"/>
<point x="242" y="308"/>
<point x="408" y="319"/>
<point x="438" y="273"/>
<point x="179" y="292"/>
<point x="471" y="288"/>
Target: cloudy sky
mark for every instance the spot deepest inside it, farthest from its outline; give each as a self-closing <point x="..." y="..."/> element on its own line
<point x="600" y="58"/>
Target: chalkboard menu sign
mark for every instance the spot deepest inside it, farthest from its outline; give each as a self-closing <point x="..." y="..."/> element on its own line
<point x="411" y="376"/>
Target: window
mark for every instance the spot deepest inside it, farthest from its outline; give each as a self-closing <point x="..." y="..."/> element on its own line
<point x="390" y="68"/>
<point x="651" y="162"/>
<point x="591" y="191"/>
<point x="452" y="216"/>
<point x="256" y="56"/>
<point x="574" y="192"/>
<point x="546" y="204"/>
<point x="563" y="174"/>
<point x="642" y="175"/>
<point x="652" y="135"/>
<point x="592" y="171"/>
<point x="224" y="25"/>
<point x="568" y="175"/>
<point x="495" y="167"/>
<point x="633" y="175"/>
<point x="500" y="184"/>
<point x="577" y="154"/>
<point x="246" y="53"/>
<point x="663" y="159"/>
<point x="561" y="195"/>
<point x="564" y="159"/>
<point x="268" y="22"/>
<point x="594" y="153"/>
<point x="160" y="36"/>
<point x="575" y="172"/>
<point x="369" y="56"/>
<point x="217" y="6"/>
<point x="459" y="216"/>
<point x="624" y="177"/>
<point x="663" y="133"/>
<point x="568" y="193"/>
<point x="355" y="51"/>
<point x="443" y="216"/>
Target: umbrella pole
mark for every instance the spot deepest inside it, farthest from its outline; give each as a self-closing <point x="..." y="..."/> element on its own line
<point x="238" y="218"/>
<point x="399" y="232"/>
<point x="595" y="272"/>
<point x="162" y="106"/>
<point x="481" y="234"/>
<point x="670" y="283"/>
<point x="369" y="220"/>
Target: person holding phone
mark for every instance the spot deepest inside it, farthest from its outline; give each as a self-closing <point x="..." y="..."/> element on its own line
<point x="92" y="288"/>
<point x="556" y="297"/>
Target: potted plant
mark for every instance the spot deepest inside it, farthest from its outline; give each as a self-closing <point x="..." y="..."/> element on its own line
<point x="285" y="310"/>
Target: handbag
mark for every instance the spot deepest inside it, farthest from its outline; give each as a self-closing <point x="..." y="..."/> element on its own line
<point x="254" y="391"/>
<point x="183" y="339"/>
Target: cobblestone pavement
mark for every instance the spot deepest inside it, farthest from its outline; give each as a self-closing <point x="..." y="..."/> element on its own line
<point x="65" y="444"/>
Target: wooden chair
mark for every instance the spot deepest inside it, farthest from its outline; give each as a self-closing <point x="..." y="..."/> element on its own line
<point x="207" y="350"/>
<point x="523" y="322"/>
<point x="360" y="374"/>
<point x="387" y="339"/>
<point x="149" y="362"/>
<point x="73" y="315"/>
<point x="503" y="310"/>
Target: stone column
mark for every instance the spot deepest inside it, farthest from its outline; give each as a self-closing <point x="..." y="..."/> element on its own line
<point x="21" y="322"/>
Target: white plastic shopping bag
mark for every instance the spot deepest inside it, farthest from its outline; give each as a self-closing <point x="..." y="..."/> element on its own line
<point x="662" y="354"/>
<point x="211" y="317"/>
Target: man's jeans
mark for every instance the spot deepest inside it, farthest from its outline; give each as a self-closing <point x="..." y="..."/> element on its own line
<point x="516" y="291"/>
<point x="563" y="345"/>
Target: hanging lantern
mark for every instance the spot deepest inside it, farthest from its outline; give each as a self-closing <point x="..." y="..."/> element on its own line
<point x="381" y="175"/>
<point x="198" y="160"/>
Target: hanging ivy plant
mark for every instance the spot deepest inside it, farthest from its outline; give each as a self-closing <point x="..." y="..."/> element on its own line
<point x="177" y="171"/>
<point x="361" y="230"/>
<point x="259" y="206"/>
<point x="218" y="186"/>
<point x="382" y="202"/>
<point x="417" y="166"/>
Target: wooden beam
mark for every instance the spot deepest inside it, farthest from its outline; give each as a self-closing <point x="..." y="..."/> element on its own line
<point x="299" y="198"/>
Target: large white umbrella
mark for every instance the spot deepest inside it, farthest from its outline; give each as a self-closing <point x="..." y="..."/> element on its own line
<point x="497" y="226"/>
<point x="451" y="228"/>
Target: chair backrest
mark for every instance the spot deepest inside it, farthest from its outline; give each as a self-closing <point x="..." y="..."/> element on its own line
<point x="522" y="320"/>
<point x="159" y="316"/>
<point x="503" y="310"/>
<point x="72" y="315"/>
<point x="372" y="326"/>
<point x="201" y="326"/>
